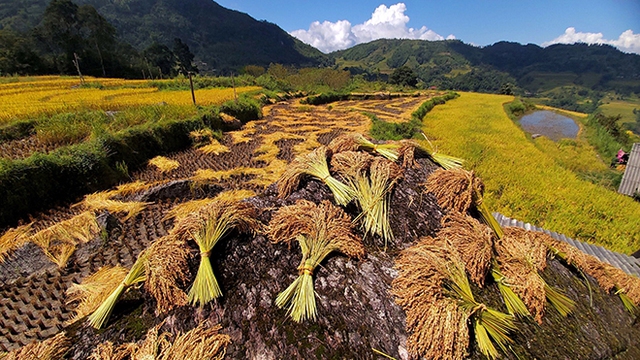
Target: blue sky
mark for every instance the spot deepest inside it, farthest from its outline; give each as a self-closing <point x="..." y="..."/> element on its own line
<point x="331" y="25"/>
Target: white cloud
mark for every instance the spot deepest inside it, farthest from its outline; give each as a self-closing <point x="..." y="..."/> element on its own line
<point x="627" y="42"/>
<point x="385" y="23"/>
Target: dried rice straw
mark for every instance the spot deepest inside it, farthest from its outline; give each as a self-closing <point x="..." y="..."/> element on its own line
<point x="206" y="228"/>
<point x="51" y="349"/>
<point x="135" y="275"/>
<point x="164" y="164"/>
<point x="94" y="290"/>
<point x="320" y="230"/>
<point x="167" y="272"/>
<point x="355" y="141"/>
<point x="314" y="164"/>
<point x="13" y="239"/>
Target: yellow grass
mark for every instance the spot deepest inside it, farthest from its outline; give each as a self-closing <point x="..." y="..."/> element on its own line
<point x="525" y="183"/>
<point x="13" y="239"/>
<point x="214" y="148"/>
<point x="49" y="95"/>
<point x="164" y="164"/>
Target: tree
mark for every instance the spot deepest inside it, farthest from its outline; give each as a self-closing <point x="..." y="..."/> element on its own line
<point x="405" y="76"/>
<point x="183" y="57"/>
<point x="160" y="56"/>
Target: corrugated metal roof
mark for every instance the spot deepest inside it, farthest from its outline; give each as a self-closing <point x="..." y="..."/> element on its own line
<point x="631" y="178"/>
<point x="626" y="263"/>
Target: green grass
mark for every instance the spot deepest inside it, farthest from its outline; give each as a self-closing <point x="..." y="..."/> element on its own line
<point x="615" y="106"/>
<point x="523" y="181"/>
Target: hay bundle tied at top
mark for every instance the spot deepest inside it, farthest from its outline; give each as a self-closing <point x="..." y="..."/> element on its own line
<point x="373" y="195"/>
<point x="206" y="227"/>
<point x="473" y="241"/>
<point x="93" y="290"/>
<point x="135" y="275"/>
<point x="461" y="190"/>
<point x="351" y="163"/>
<point x="355" y="141"/>
<point x="313" y="164"/>
<point x="433" y="290"/>
<point x="320" y="230"/>
<point x="168" y="273"/>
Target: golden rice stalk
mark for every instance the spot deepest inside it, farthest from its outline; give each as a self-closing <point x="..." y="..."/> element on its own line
<point x="355" y="141"/>
<point x="372" y="196"/>
<point x="270" y="174"/>
<point x="164" y="164"/>
<point x="202" y="136"/>
<point x="515" y="305"/>
<point x="99" y="201"/>
<point x="520" y="257"/>
<point x="133" y="187"/>
<point x="107" y="351"/>
<point x="489" y="325"/>
<point x="320" y="230"/>
<point x="559" y="301"/>
<point x="198" y="343"/>
<point x="473" y="241"/>
<point x="93" y="290"/>
<point x="214" y="148"/>
<point x="456" y="189"/>
<point x="14" y="238"/>
<point x="180" y="211"/>
<point x="437" y="326"/>
<point x="351" y="163"/>
<point x="447" y="162"/>
<point x="58" y="242"/>
<point x="206" y="228"/>
<point x="314" y="164"/>
<point x="135" y="275"/>
<point x="167" y="272"/>
<point x="51" y="349"/>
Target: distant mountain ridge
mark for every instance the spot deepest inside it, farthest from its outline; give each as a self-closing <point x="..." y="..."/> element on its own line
<point x="220" y="38"/>
<point x="452" y="63"/>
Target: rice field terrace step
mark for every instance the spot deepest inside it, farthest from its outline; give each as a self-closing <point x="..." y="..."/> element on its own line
<point x="626" y="263"/>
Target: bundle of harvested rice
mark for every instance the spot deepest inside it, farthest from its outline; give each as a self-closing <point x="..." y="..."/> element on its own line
<point x="206" y="227"/>
<point x="456" y="189"/>
<point x="352" y="142"/>
<point x="372" y="196"/>
<point x="51" y="349"/>
<point x="314" y="164"/>
<point x="135" y="275"/>
<point x="94" y="290"/>
<point x="167" y="272"/>
<point x="521" y="257"/>
<point x="320" y="230"/>
<point x="180" y="211"/>
<point x="433" y="290"/>
<point x="608" y="277"/>
<point x="474" y="242"/>
<point x="164" y="164"/>
<point x="14" y="238"/>
<point x="351" y="163"/>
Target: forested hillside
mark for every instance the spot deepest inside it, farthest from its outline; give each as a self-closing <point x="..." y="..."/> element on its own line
<point x="221" y="39"/>
<point x="454" y="64"/>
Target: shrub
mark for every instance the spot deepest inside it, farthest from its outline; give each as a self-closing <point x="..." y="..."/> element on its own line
<point x="245" y="109"/>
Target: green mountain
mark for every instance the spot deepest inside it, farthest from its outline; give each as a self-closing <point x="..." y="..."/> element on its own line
<point x="218" y="37"/>
<point x="454" y="64"/>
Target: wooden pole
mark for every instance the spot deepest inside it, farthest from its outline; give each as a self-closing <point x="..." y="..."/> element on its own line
<point x="193" y="94"/>
<point x="233" y="81"/>
<point x="76" y="62"/>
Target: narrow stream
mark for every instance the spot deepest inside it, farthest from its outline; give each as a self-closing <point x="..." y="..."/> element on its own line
<point x="550" y="124"/>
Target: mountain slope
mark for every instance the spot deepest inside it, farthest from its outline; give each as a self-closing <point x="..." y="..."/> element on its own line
<point x="450" y="63"/>
<point x="220" y="38"/>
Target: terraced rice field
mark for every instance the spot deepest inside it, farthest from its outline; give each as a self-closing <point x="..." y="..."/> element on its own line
<point x="33" y="291"/>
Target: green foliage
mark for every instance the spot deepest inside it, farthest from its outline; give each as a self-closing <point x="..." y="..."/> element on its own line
<point x="382" y="130"/>
<point x="605" y="135"/>
<point x="325" y="98"/>
<point x="244" y="109"/>
<point x="16" y="130"/>
<point x="404" y="76"/>
<point x="518" y="107"/>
